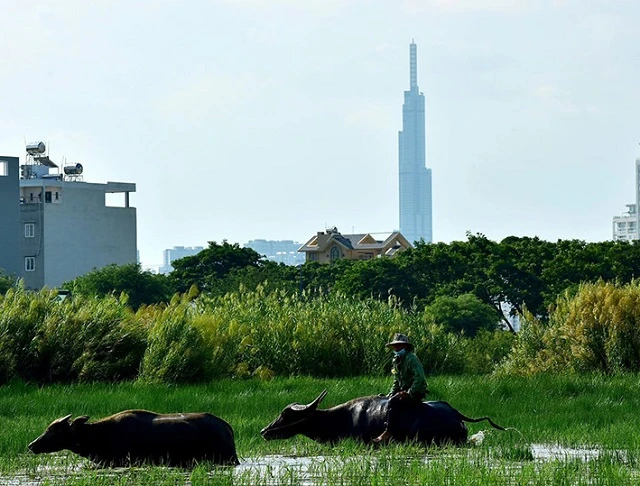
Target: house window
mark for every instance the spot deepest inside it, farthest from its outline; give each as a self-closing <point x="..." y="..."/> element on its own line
<point x="29" y="264"/>
<point x="4" y="168"/>
<point x="335" y="253"/>
<point x="47" y="197"/>
<point x="29" y="230"/>
<point x="313" y="257"/>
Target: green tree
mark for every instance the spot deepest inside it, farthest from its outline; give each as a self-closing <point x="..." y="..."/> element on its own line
<point x="270" y="275"/>
<point x="576" y="261"/>
<point x="379" y="278"/>
<point x="141" y="287"/>
<point x="207" y="269"/>
<point x="316" y="278"/>
<point x="462" y="314"/>
<point x="6" y="282"/>
<point x="517" y="267"/>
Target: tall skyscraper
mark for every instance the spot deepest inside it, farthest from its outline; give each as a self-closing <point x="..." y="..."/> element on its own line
<point x="414" y="176"/>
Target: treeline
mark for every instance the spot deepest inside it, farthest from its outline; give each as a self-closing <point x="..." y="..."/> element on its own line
<point x="227" y="312"/>
<point x="509" y="276"/>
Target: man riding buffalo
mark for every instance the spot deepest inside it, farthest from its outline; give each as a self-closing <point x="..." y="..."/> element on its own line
<point x="409" y="385"/>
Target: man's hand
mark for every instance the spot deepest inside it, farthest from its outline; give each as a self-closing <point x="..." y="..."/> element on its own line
<point x="402" y="395"/>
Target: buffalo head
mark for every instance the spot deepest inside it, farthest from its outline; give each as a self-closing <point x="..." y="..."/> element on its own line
<point x="291" y="420"/>
<point x="61" y="434"/>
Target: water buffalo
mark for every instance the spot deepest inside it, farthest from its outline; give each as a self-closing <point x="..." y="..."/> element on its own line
<point x="364" y="419"/>
<point x="137" y="436"/>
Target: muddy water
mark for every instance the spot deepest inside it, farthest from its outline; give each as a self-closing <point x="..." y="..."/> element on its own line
<point x="270" y="469"/>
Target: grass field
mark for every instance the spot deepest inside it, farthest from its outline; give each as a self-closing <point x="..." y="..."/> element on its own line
<point x="570" y="430"/>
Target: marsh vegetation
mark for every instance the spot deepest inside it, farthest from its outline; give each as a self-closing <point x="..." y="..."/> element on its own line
<point x="567" y="383"/>
<point x="579" y="430"/>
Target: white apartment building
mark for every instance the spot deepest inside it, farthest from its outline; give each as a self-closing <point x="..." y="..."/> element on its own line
<point x="65" y="227"/>
<point x="625" y="226"/>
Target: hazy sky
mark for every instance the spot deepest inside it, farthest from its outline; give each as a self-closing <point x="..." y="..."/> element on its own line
<point x="274" y="119"/>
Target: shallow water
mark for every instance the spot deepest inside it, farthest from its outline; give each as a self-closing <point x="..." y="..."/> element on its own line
<point x="271" y="469"/>
<point x="555" y="452"/>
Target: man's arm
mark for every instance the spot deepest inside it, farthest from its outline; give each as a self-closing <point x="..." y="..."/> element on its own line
<point x="419" y="386"/>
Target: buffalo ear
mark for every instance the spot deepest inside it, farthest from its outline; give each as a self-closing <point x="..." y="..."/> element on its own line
<point x="313" y="405"/>
<point x="79" y="421"/>
<point x="62" y="419"/>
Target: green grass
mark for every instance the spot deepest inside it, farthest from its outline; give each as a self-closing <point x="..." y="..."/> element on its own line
<point x="590" y="412"/>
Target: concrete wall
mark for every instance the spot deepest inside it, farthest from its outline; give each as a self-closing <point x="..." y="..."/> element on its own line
<point x="10" y="262"/>
<point x="83" y="234"/>
<point x="33" y="247"/>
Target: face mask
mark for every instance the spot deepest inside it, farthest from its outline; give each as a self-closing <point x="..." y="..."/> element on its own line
<point x="400" y="353"/>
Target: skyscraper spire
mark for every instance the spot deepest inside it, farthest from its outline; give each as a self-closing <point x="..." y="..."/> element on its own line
<point x="413" y="66"/>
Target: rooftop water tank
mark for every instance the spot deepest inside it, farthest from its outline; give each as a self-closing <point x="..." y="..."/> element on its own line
<point x="36" y="148"/>
<point x="73" y="169"/>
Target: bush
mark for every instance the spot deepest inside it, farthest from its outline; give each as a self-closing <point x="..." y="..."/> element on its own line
<point x="89" y="339"/>
<point x="595" y="329"/>
<point x="486" y="350"/>
<point x="439" y="351"/>
<point x="464" y="314"/>
<point x="21" y="316"/>
<point x="176" y="350"/>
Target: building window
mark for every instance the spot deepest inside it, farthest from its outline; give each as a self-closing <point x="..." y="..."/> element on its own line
<point x="313" y="257"/>
<point x="335" y="253"/>
<point x="29" y="230"/>
<point x="4" y="168"/>
<point x="29" y="264"/>
<point x="47" y="197"/>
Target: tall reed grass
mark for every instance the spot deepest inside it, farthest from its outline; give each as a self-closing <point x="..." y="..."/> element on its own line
<point x="596" y="328"/>
<point x="84" y="339"/>
<point x="242" y="334"/>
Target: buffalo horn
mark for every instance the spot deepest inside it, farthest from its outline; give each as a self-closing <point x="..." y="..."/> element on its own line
<point x="317" y="401"/>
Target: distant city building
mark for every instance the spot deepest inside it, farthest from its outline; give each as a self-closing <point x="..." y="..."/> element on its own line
<point x="175" y="253"/>
<point x="414" y="176"/>
<point x="63" y="225"/>
<point x="625" y="226"/>
<point x="331" y="245"/>
<point x="279" y="251"/>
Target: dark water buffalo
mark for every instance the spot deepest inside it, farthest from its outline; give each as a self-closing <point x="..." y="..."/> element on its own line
<point x="137" y="436"/>
<point x="364" y="419"/>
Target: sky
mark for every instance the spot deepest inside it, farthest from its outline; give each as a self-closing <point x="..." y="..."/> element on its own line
<point x="275" y="119"/>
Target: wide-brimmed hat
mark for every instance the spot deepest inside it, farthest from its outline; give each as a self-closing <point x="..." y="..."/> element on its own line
<point x="399" y="338"/>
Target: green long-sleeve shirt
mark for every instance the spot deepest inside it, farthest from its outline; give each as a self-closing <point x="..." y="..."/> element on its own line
<point x="408" y="375"/>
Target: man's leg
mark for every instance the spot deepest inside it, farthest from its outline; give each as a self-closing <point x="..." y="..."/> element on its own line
<point x="394" y="411"/>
